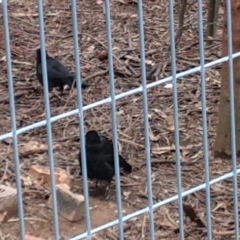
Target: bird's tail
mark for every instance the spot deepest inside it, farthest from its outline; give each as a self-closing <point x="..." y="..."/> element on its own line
<point x="123" y="164"/>
<point x="84" y="85"/>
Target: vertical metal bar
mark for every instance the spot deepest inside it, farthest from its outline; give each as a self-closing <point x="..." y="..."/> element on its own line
<point x="232" y="116"/>
<point x="204" y="120"/>
<point x="81" y="117"/>
<point x="176" y="127"/>
<point x="146" y="123"/>
<point x="13" y="119"/>
<point x="48" y="116"/>
<point x="114" y="118"/>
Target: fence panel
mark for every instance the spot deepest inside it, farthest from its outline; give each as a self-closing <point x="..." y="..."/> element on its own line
<point x="112" y="99"/>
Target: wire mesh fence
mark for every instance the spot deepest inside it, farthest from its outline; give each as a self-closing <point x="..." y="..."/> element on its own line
<point x="144" y="87"/>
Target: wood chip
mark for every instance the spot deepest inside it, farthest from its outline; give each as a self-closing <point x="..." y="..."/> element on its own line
<point x="8" y="203"/>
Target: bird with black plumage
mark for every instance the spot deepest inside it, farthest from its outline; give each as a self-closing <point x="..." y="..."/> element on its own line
<point x="58" y="75"/>
<point x="100" y="159"/>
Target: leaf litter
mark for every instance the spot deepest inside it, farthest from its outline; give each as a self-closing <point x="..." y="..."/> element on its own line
<point x="24" y="33"/>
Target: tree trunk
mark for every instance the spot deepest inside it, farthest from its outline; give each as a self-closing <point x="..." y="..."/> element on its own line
<point x="223" y="137"/>
<point x="213" y="9"/>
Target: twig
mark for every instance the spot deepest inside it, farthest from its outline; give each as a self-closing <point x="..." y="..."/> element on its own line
<point x="4" y="99"/>
<point x="112" y="235"/>
<point x="5" y="171"/>
<point x="131" y="143"/>
<point x="28" y="218"/>
<point x="144" y="227"/>
<point x="165" y="66"/>
<point x="95" y="39"/>
<point x="100" y="73"/>
<point x="158" y="70"/>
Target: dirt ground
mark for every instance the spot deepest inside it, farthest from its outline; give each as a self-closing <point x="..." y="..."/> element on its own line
<point x="24" y="33"/>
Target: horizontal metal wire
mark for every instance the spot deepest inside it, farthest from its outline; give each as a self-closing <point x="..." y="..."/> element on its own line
<point x="141" y="89"/>
<point x="157" y="205"/>
<point x="117" y="97"/>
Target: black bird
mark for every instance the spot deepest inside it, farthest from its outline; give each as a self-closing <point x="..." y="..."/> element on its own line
<point x="108" y="148"/>
<point x="58" y="75"/>
<point x="100" y="159"/>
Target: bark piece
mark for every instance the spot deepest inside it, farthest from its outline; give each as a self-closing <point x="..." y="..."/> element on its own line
<point x="43" y="174"/>
<point x="8" y="203"/>
<point x="70" y="205"/>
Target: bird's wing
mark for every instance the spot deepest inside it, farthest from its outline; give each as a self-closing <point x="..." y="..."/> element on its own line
<point x="103" y="170"/>
<point x="107" y="145"/>
<point x="57" y="70"/>
<point x="98" y="162"/>
<point x="90" y="159"/>
<point x="109" y="170"/>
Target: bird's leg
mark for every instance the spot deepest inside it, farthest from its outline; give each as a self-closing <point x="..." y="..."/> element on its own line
<point x="96" y="183"/>
<point x="41" y="100"/>
<point x="63" y="88"/>
<point x="106" y="195"/>
<point x="61" y="91"/>
<point x="56" y="96"/>
<point x="49" y="95"/>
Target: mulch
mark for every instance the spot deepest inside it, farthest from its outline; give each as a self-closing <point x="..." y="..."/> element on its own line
<point x="24" y="33"/>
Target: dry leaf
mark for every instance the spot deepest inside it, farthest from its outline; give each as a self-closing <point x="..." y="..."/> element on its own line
<point x="169" y="85"/>
<point x="126" y="194"/>
<point x="42" y="115"/>
<point x="41" y="173"/>
<point x="91" y="48"/>
<point x="88" y="66"/>
<point x="27" y="181"/>
<point x="8" y="141"/>
<point x="191" y="213"/>
<point x="149" y="62"/>
<point x="103" y="55"/>
<point x="32" y="147"/>
<point x="28" y="237"/>
<point x="2" y="216"/>
<point x="161" y="113"/>
<point x="119" y="147"/>
<point x="170" y="123"/>
<point x="152" y="136"/>
<point x="3" y="59"/>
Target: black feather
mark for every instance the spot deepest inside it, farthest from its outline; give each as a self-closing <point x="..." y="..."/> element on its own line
<point x="108" y="146"/>
<point x="58" y="75"/>
<point x="100" y="158"/>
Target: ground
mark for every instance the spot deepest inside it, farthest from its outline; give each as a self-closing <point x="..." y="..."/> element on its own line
<point x="24" y="33"/>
